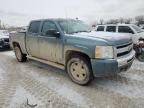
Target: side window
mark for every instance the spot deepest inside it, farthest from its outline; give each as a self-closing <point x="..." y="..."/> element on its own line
<point x="111" y="29"/>
<point x="125" y="29"/>
<point x="100" y="28"/>
<point x="48" y="25"/>
<point x="34" y="27"/>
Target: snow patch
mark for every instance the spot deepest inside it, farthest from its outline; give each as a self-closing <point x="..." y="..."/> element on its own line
<point x="133" y="76"/>
<point x="8" y="53"/>
<point x="20" y="99"/>
<point x="1" y="74"/>
<point x="63" y="90"/>
<point x="123" y="89"/>
<point x="71" y="95"/>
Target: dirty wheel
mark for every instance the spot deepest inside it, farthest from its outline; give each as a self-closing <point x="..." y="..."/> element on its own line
<point x="19" y="55"/>
<point x="79" y="70"/>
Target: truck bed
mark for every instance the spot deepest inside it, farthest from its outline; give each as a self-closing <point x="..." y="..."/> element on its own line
<point x="20" y="38"/>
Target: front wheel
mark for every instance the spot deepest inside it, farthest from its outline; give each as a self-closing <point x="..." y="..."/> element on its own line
<point x="19" y="55"/>
<point x="79" y="70"/>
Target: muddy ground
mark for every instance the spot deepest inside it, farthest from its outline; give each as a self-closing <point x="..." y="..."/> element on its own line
<point x="36" y="85"/>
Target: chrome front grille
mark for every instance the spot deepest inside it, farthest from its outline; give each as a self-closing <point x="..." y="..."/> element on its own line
<point x="123" y="50"/>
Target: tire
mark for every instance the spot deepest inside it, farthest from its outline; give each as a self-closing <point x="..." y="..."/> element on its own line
<point x="79" y="70"/>
<point x="19" y="55"/>
<point x="141" y="58"/>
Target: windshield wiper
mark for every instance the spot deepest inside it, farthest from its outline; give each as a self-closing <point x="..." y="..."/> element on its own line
<point x="84" y="31"/>
<point x="81" y="31"/>
<point x="78" y="32"/>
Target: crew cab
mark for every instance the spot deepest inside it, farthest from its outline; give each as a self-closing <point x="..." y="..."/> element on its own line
<point x="4" y="39"/>
<point x="71" y="45"/>
<point x="136" y="31"/>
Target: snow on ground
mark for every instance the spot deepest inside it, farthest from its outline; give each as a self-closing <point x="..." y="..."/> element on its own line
<point x="1" y="74"/>
<point x="20" y="99"/>
<point x="49" y="87"/>
<point x="8" y="53"/>
<point x="118" y="88"/>
<point x="138" y="65"/>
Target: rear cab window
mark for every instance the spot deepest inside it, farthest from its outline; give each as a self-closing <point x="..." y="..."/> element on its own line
<point x="125" y="29"/>
<point x="100" y="28"/>
<point x="34" y="27"/>
<point x="111" y="29"/>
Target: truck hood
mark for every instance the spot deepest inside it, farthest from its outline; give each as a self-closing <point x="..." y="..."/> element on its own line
<point x="3" y="36"/>
<point x="106" y="37"/>
<point x="141" y="34"/>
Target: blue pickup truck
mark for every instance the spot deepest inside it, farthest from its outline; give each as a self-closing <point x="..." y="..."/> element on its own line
<point x="71" y="45"/>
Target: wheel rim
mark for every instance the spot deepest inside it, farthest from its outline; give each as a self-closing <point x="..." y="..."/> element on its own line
<point x="78" y="71"/>
<point x="18" y="53"/>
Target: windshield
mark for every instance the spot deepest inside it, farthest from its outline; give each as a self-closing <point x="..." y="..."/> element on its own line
<point x="137" y="29"/>
<point x="73" y="26"/>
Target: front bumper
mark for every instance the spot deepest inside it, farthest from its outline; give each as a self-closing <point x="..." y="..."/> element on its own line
<point x="109" y="67"/>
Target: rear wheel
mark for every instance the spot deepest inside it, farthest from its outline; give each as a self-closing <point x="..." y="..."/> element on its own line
<point x="19" y="55"/>
<point x="79" y="70"/>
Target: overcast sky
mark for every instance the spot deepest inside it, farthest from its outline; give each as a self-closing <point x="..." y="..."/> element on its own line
<point x="20" y="12"/>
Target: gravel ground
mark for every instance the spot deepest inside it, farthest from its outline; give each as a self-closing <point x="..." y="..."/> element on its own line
<point x="36" y="85"/>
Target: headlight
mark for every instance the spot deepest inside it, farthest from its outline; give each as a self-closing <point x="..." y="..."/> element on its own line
<point x="104" y="52"/>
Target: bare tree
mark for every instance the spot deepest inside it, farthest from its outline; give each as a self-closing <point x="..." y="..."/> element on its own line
<point x="113" y="21"/>
<point x="93" y="24"/>
<point x="128" y="20"/>
<point x="139" y="19"/>
<point x="101" y="21"/>
<point x="121" y="20"/>
<point x="77" y="18"/>
<point x="4" y="26"/>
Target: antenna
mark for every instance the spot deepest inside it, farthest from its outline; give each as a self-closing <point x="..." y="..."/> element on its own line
<point x="66" y="15"/>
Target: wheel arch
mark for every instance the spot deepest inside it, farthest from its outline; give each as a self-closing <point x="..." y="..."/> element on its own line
<point x="15" y="44"/>
<point x="19" y="45"/>
<point x="70" y="53"/>
<point x="84" y="57"/>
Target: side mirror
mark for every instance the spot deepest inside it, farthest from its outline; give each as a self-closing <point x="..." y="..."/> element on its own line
<point x="53" y="33"/>
<point x="131" y="32"/>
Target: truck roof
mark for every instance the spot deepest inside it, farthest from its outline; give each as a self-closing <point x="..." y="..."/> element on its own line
<point x="116" y="25"/>
<point x="54" y="19"/>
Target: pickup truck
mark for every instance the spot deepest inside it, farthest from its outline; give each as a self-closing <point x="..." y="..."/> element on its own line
<point x="71" y="45"/>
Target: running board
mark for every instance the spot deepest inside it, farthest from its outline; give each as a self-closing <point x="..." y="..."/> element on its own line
<point x="47" y="62"/>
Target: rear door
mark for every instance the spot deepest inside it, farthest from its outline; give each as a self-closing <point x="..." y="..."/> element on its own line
<point x="32" y="44"/>
<point x="111" y="29"/>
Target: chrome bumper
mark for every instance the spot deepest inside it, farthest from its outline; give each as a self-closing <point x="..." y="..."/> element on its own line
<point x="126" y="59"/>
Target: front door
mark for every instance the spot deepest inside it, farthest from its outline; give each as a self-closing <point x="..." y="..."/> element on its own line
<point x="50" y="46"/>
